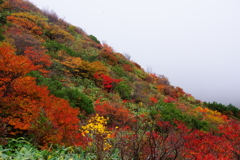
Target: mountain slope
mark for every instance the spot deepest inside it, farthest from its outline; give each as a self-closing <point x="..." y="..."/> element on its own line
<point x="59" y="85"/>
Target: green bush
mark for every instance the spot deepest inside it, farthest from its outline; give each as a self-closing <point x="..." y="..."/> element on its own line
<point x="94" y="39"/>
<point x="86" y="103"/>
<point x="140" y="73"/>
<point x="1" y="33"/>
<point x="124" y="90"/>
<point x="3" y="16"/>
<point x="169" y="112"/>
<point x="54" y="46"/>
<point x="118" y="71"/>
<point x="73" y="95"/>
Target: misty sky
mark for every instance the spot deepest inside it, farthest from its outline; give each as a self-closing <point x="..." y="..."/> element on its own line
<point x="195" y="43"/>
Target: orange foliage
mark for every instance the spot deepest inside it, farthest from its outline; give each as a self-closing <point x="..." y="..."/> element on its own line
<point x="108" y="54"/>
<point x="117" y="113"/>
<point x="160" y="88"/>
<point x="28" y="21"/>
<point x="71" y="62"/>
<point x="11" y="67"/>
<point x="213" y="117"/>
<point x="29" y="108"/>
<point x="153" y="100"/>
<point x="107" y="48"/>
<point x="38" y="58"/>
<point x="127" y="67"/>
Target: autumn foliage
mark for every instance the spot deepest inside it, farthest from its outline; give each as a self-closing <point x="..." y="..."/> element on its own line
<point x="117" y="113"/>
<point x="106" y="82"/>
<point x="51" y="72"/>
<point x="28" y="108"/>
<point x="28" y="21"/>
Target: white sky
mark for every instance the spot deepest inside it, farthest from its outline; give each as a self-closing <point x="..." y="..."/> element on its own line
<point x="195" y="43"/>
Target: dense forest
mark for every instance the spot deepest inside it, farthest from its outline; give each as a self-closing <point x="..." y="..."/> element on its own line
<point x="65" y="95"/>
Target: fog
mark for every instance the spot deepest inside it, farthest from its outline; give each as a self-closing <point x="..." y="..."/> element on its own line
<point x="195" y="43"/>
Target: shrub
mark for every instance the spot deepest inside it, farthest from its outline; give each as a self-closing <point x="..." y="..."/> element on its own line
<point x="1" y="33"/>
<point x="141" y="92"/>
<point x="54" y="47"/>
<point x="140" y="73"/>
<point x="169" y="99"/>
<point x="137" y="65"/>
<point x="124" y="90"/>
<point x="169" y="113"/>
<point x="73" y="95"/>
<point x="108" y="55"/>
<point x="99" y="67"/>
<point x="86" y="70"/>
<point x="94" y="39"/>
<point x="118" y="71"/>
<point x="117" y="113"/>
<point x="127" y="67"/>
<point x="106" y="82"/>
<point x="75" y="30"/>
<point x="20" y="6"/>
<point x="97" y="130"/>
<point x="38" y="58"/>
<point x="28" y="21"/>
<point x="86" y="103"/>
<point x="23" y="40"/>
<point x="161" y="80"/>
<point x="4" y="13"/>
<point x="54" y="32"/>
<point x="30" y="109"/>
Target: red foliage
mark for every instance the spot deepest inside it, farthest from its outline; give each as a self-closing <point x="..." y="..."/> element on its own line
<point x="183" y="143"/>
<point x="11" y="67"/>
<point x="28" y="108"/>
<point x="38" y="57"/>
<point x="117" y="113"/>
<point x="137" y="65"/>
<point x="168" y="99"/>
<point x="231" y="133"/>
<point x="106" y="81"/>
<point x="107" y="48"/>
<point x="180" y="91"/>
<point x="25" y="23"/>
<point x="170" y="91"/>
<point x="128" y="101"/>
<point x="127" y="67"/>
<point x="205" y="145"/>
<point x="153" y="100"/>
<point x="108" y="54"/>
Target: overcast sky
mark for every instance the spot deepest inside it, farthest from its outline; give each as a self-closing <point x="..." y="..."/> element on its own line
<point x="195" y="43"/>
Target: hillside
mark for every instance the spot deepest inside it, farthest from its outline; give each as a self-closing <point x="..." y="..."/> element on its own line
<point x="60" y="87"/>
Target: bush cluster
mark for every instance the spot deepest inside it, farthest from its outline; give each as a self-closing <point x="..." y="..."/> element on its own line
<point x="73" y="95"/>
